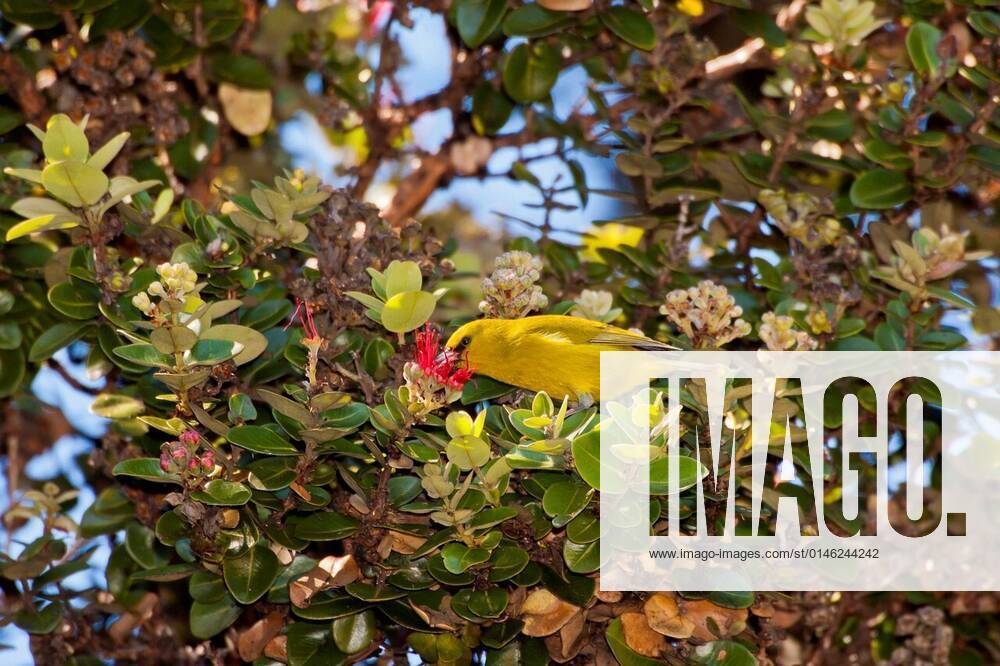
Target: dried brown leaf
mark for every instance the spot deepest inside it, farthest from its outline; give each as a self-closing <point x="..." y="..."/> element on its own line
<point x="640" y="637"/>
<point x="544" y="614"/>
<point x="331" y="572"/>
<point x="254" y="640"/>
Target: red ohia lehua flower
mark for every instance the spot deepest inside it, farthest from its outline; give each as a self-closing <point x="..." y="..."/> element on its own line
<point x="306" y="319"/>
<point x="441" y="364"/>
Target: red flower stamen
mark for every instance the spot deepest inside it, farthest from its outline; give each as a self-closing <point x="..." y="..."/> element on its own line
<point x="440" y="364"/>
<point x="308" y="327"/>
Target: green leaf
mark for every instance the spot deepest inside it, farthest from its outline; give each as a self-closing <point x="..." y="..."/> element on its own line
<point x="986" y="23"/>
<point x="587" y="458"/>
<point x="577" y="590"/>
<point x="206" y="587"/>
<point x="922" y="43"/>
<point x="64" y="140"/>
<point x="74" y="302"/>
<point x="489" y="603"/>
<point x="459" y="557"/>
<point x="173" y="339"/>
<point x="212" y="352"/>
<point x="168" y="573"/>
<point x="219" y="492"/>
<point x="988" y="156"/>
<point x="723" y="653"/>
<point x="689" y="473"/>
<point x="144" y="354"/>
<point x="501" y="634"/>
<point x="833" y="125"/>
<point x="636" y="164"/>
<point x="533" y="20"/>
<point x="403" y="489"/>
<point x="30" y="175"/>
<point x="106" y="153"/>
<point x="140" y="542"/>
<point x="10" y="335"/>
<point x="9" y="119"/>
<point x="585" y="528"/>
<point x="880" y="189"/>
<point x="759" y="24"/>
<point x="325" y="526"/>
<point x="145" y="468"/>
<point x="481" y="388"/>
<point x="853" y="343"/>
<point x="491" y="109"/>
<point x="631" y="25"/>
<point x="888" y="338"/>
<point x="41" y="621"/>
<point x="468" y="452"/>
<point x="354" y="633"/>
<point x="530" y="71"/>
<point x="311" y="645"/>
<point x="476" y="20"/>
<point x="566" y="498"/>
<point x="401" y="277"/>
<point x="506" y="562"/>
<point x="887" y="154"/>
<point x="951" y="298"/>
<point x="850" y="326"/>
<point x="272" y="473"/>
<point x="12" y="370"/>
<point x="41" y="223"/>
<point x="260" y="440"/>
<point x="407" y="311"/>
<point x="116" y="406"/>
<point x="490" y="517"/>
<point x="249" y="576"/>
<point x="241" y="70"/>
<point x="373" y="593"/>
<point x="210" y="618"/>
<point x="741" y="599"/>
<point x="582" y="558"/>
<point x="55" y="338"/>
<point x="75" y="183"/>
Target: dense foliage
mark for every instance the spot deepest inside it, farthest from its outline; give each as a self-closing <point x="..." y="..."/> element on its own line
<point x="292" y="472"/>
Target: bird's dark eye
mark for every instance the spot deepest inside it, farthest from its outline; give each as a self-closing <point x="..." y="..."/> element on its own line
<point x="465" y="342"/>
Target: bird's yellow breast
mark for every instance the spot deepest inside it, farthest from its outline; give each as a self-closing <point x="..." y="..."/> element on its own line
<point x="558" y="354"/>
<point x="549" y="363"/>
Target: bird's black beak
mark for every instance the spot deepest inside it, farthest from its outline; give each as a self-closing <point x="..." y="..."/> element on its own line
<point x="447" y="355"/>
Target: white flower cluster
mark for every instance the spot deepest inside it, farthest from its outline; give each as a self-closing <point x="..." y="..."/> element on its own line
<point x="426" y="392"/>
<point x="175" y="283"/>
<point x="470" y="155"/>
<point x="510" y="292"/>
<point x="707" y="314"/>
<point x="777" y="332"/>
<point x="595" y="304"/>
<point x="800" y="216"/>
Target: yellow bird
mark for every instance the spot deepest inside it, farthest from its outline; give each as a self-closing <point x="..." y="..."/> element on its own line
<point x="558" y="354"/>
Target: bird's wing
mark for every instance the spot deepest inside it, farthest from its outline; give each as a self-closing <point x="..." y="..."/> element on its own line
<point x="575" y="330"/>
<point x="628" y="340"/>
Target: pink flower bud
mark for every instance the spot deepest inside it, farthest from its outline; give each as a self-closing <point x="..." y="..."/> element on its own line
<point x="178" y="452"/>
<point x="190" y="437"/>
<point x="193" y="464"/>
<point x="164" y="462"/>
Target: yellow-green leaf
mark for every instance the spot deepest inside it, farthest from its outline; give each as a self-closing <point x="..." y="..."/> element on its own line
<point x="64" y="140"/>
<point x="41" y="223"/>
<point x="407" y="311"/>
<point x="108" y="151"/>
<point x="75" y="183"/>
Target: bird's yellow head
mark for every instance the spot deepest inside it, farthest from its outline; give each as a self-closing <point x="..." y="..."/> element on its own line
<point x="476" y="344"/>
